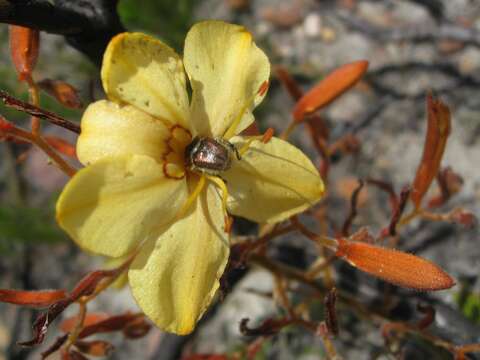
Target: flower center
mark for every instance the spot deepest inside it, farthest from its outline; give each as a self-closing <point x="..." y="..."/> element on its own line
<point x="207" y="157"/>
<point x="204" y="157"/>
<point x="174" y="158"/>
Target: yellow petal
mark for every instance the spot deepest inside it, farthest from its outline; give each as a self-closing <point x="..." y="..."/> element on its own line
<point x="113" y="204"/>
<point x="271" y="182"/>
<point x="144" y="72"/>
<point x="226" y="70"/>
<point x="110" y="129"/>
<point x="174" y="278"/>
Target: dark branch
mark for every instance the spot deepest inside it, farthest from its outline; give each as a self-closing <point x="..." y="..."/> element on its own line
<point x="88" y="25"/>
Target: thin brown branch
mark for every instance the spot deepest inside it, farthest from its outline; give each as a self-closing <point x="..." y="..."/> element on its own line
<point x="353" y="209"/>
<point x="33" y="110"/>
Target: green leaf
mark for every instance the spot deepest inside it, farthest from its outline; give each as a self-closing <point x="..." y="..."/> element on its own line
<point x="470" y="306"/>
<point x="170" y="19"/>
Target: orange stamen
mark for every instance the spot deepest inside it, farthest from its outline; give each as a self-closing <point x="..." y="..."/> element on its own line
<point x="268" y="135"/>
<point x="263" y="88"/>
<point x="228" y="224"/>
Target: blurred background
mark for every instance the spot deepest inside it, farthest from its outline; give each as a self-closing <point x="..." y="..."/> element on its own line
<point x="413" y="47"/>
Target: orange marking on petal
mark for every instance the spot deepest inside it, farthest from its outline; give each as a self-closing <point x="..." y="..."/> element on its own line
<point x="394" y="266"/>
<point x="179" y="139"/>
<point x="172" y="171"/>
<point x="181" y="134"/>
<point x="173" y="157"/>
<point x="330" y="88"/>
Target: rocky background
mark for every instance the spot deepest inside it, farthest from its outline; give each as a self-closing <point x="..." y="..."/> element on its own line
<point x="413" y="47"/>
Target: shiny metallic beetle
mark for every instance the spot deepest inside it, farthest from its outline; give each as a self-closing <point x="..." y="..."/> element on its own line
<point x="209" y="155"/>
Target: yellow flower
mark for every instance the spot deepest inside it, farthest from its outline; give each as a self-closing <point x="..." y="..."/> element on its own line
<point x="139" y="187"/>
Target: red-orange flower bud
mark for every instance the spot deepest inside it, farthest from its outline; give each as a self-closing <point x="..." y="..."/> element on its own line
<point x="394" y="266"/>
<point x="331" y="87"/>
<point x="24" y="46"/>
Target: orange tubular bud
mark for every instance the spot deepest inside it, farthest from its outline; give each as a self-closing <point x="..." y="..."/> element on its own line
<point x="288" y="82"/>
<point x="331" y="87"/>
<point x="438" y="130"/>
<point x="267" y="136"/>
<point x="37" y="298"/>
<point x="24" y="45"/>
<point x="394" y="266"/>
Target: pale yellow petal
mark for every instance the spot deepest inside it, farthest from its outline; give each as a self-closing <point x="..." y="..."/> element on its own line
<point x="109" y="129"/>
<point x="175" y="277"/>
<point x="226" y="70"/>
<point x="271" y="182"/>
<point x="115" y="203"/>
<point x="142" y="71"/>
